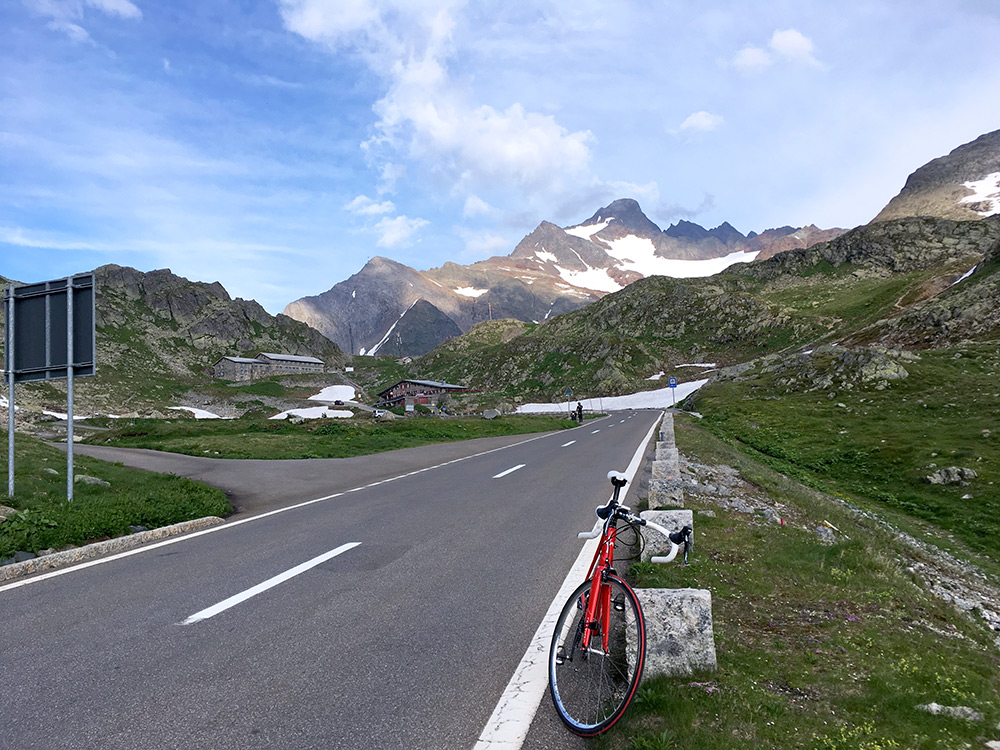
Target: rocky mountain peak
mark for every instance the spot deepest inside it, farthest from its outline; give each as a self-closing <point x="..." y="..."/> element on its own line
<point x="626" y="214"/>
<point x="963" y="185"/>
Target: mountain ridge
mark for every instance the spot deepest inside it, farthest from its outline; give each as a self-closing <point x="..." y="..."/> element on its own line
<point x="550" y="271"/>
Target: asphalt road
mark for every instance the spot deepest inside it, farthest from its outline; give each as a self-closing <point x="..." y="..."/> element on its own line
<point x="405" y="640"/>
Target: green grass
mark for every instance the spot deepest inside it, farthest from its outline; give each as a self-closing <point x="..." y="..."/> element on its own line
<point x="279" y="439"/>
<point x="817" y="646"/>
<point x="134" y="498"/>
<point x="874" y="447"/>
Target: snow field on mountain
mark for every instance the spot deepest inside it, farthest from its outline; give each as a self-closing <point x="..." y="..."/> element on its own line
<point x="661" y="398"/>
<point x="986" y="190"/>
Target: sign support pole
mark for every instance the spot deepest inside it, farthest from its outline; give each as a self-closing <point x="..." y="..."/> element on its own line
<point x="9" y="299"/>
<point x="69" y="389"/>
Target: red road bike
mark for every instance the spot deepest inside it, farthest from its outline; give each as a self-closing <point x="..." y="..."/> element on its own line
<point x="599" y="644"/>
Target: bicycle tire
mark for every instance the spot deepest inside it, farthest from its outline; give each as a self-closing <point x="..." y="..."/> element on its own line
<point x="591" y="690"/>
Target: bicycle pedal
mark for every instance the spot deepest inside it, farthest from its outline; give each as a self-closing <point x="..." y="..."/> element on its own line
<point x="619" y="606"/>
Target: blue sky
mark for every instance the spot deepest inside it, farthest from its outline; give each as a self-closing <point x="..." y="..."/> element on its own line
<point x="277" y="145"/>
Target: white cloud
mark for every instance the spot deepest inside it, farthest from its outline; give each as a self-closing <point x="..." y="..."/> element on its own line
<point x="122" y="8"/>
<point x="752" y="59"/>
<point x="367" y="207"/>
<point x="484" y="244"/>
<point x="702" y="121"/>
<point x="65" y="15"/>
<point x="476" y="206"/>
<point x="793" y="46"/>
<point x="396" y="232"/>
<point x="788" y="45"/>
<point x="427" y="112"/>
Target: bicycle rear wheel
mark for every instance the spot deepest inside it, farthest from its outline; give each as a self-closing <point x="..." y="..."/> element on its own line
<point x="591" y="689"/>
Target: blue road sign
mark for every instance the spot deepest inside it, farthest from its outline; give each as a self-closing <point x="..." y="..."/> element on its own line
<point x="671" y="382"/>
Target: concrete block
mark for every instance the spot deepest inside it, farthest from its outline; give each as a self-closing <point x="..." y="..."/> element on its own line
<point x="680" y="640"/>
<point x="666" y="470"/>
<point x="672" y="521"/>
<point x="666" y="493"/>
<point x="667" y="451"/>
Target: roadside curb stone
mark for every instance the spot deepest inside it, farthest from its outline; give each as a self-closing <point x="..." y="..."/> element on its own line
<point x="679" y="633"/>
<point x="100" y="549"/>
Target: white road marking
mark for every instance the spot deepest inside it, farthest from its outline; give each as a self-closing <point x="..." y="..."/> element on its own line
<point x="511" y="470"/>
<point x="508" y="726"/>
<point x="567" y="445"/>
<point x="233" y="524"/>
<point x="595" y="432"/>
<point x="268" y="584"/>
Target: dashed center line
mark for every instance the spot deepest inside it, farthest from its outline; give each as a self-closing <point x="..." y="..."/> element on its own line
<point x="595" y="432"/>
<point x="567" y="445"/>
<point x="268" y="584"/>
<point x="511" y="470"/>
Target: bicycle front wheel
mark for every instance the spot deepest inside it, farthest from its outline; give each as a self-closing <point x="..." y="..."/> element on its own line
<point x="592" y="687"/>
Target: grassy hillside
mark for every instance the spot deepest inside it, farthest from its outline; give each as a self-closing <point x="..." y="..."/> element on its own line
<point x="832" y="647"/>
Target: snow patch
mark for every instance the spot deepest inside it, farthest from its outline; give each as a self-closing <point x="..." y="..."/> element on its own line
<point x="662" y="398"/>
<point x="334" y="393"/>
<point x="545" y="256"/>
<point x="198" y="413"/>
<point x="965" y="275"/>
<point x="389" y="332"/>
<point x="657" y="376"/>
<point x="986" y="190"/>
<point x="593" y="278"/>
<point x="586" y="231"/>
<point x="315" y="412"/>
<point x="698" y="364"/>
<point x="638" y="254"/>
<point x="56" y="414"/>
<point x="468" y="291"/>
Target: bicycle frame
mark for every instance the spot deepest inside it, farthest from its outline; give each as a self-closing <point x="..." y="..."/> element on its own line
<point x="599" y="601"/>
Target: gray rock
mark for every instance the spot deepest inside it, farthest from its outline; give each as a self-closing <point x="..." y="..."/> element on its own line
<point x="50" y="470"/>
<point x="950" y="475"/>
<point x="772" y="515"/>
<point x="679" y="636"/>
<point x="21" y="556"/>
<point x="955" y="712"/>
<point x="86" y="479"/>
<point x="707" y="513"/>
<point x="5" y="511"/>
<point x="825" y="535"/>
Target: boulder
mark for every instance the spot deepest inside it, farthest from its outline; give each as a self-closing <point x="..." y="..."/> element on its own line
<point x="950" y="475"/>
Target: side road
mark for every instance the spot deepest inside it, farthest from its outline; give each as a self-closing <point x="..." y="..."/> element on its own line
<point x="256" y="486"/>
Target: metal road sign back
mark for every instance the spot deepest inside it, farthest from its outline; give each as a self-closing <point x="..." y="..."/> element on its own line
<point x="38" y="337"/>
<point x="48" y="335"/>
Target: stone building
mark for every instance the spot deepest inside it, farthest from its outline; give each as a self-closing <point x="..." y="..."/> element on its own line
<point x="241" y="369"/>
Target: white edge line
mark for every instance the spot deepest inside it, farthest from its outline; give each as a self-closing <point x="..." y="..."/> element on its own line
<point x="233" y="524"/>
<point x="510" y="721"/>
<point x="511" y="470"/>
<point x="268" y="584"/>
